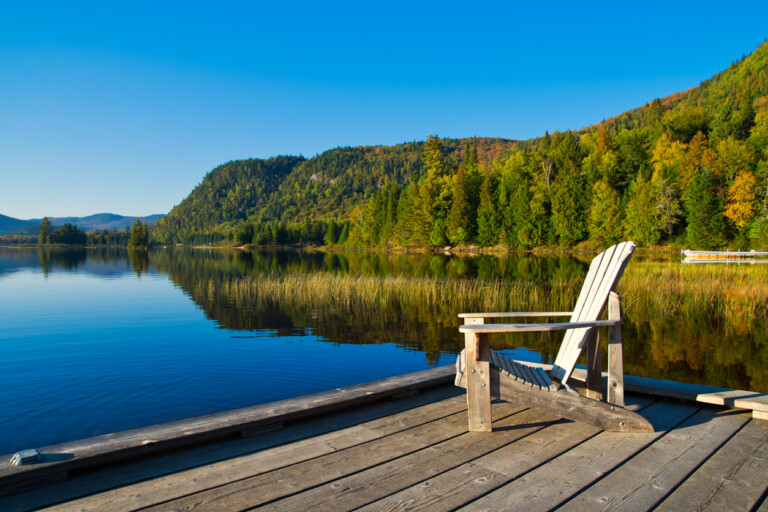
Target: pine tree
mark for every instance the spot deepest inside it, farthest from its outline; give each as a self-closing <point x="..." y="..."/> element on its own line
<point x="487" y="219"/>
<point x="569" y="218"/>
<point x="331" y="234"/>
<point x="44" y="232"/>
<point x="459" y="223"/>
<point x="604" y="225"/>
<point x="139" y="235"/>
<point x="704" y="213"/>
<point x="641" y="223"/>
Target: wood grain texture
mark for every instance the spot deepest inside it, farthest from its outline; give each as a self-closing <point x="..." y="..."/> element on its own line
<point x="615" y="388"/>
<point x="463" y="485"/>
<point x="564" y="476"/>
<point x="734" y="478"/>
<point x="379" y="482"/>
<point x="569" y="405"/>
<point x="110" y="448"/>
<point x="468" y="316"/>
<point x="643" y="481"/>
<point x="274" y="485"/>
<point x="594" y="366"/>
<point x="597" y="298"/>
<point x="496" y="328"/>
<point x="478" y="382"/>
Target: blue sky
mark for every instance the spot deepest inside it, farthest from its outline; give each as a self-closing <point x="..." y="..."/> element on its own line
<point x="123" y="107"/>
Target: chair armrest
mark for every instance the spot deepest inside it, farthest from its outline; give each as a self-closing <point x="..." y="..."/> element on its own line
<point x="521" y="314"/>
<point x="489" y="328"/>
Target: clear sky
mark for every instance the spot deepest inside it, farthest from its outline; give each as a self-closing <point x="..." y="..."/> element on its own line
<point x="123" y="106"/>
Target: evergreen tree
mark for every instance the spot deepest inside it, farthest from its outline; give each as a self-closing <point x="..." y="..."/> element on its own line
<point x="344" y="235"/>
<point x="487" y="219"/>
<point x="641" y="223"/>
<point x="569" y="218"/>
<point x="405" y="215"/>
<point x="139" y="235"/>
<point x="331" y="234"/>
<point x="44" y="232"/>
<point x="69" y="234"/>
<point x="245" y="233"/>
<point x="459" y="223"/>
<point x="604" y="225"/>
<point x="704" y="213"/>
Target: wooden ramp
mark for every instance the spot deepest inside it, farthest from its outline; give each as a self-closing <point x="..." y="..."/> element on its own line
<point x="416" y="453"/>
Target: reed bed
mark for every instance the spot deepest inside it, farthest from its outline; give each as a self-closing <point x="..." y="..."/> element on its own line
<point x="734" y="293"/>
<point x="367" y="294"/>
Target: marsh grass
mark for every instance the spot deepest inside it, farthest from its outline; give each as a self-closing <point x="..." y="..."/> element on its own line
<point x="734" y="295"/>
<point x="367" y="294"/>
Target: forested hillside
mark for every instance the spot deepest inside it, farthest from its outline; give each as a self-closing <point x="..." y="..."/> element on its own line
<point x="228" y="195"/>
<point x="690" y="169"/>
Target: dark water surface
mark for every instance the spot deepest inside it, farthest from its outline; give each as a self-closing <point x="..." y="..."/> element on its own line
<point x="96" y="341"/>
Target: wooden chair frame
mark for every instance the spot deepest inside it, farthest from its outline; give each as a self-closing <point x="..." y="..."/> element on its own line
<point x="515" y="381"/>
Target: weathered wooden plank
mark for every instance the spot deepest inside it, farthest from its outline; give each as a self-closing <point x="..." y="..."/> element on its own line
<point x="371" y="421"/>
<point x="597" y="266"/>
<point x="520" y="373"/>
<point x="530" y="377"/>
<point x="734" y="478"/>
<point x="699" y="393"/>
<point x="515" y="314"/>
<point x="739" y="399"/>
<point x="615" y="353"/>
<point x="544" y="378"/>
<point x="594" y="366"/>
<point x="494" y="328"/>
<point x="570" y="405"/>
<point x="200" y="479"/>
<point x="507" y="365"/>
<point x="143" y="441"/>
<point x="267" y="487"/>
<point x="478" y="382"/>
<point x="378" y="482"/>
<point x="643" y="481"/>
<point x="598" y="299"/>
<point x="461" y="485"/>
<point x="561" y="478"/>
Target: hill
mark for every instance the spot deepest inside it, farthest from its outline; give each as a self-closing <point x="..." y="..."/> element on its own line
<point x="294" y="190"/>
<point x="687" y="169"/>
<point x="99" y="221"/>
<point x="10" y="225"/>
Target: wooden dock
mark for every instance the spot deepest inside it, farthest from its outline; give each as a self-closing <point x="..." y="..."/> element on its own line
<point x="414" y="452"/>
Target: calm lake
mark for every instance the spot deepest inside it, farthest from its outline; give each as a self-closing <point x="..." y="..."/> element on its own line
<point x="94" y="341"/>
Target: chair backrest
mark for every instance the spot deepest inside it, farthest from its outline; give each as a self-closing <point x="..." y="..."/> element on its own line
<point x="602" y="277"/>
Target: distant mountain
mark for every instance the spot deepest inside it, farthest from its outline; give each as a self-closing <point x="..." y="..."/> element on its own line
<point x="108" y="221"/>
<point x="10" y="225"/>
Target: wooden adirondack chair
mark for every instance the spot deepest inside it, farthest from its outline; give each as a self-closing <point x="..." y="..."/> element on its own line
<point x="484" y="372"/>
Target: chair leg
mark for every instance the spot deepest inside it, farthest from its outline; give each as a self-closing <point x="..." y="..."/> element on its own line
<point x="594" y="367"/>
<point x="615" y="354"/>
<point x="478" y="382"/>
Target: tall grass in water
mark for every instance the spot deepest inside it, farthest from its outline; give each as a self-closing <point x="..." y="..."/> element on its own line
<point x="366" y="294"/>
<point x="735" y="294"/>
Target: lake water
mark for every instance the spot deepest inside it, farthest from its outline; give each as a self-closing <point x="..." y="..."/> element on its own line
<point x="96" y="341"/>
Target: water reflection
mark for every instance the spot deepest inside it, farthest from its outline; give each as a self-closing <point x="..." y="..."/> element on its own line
<point x="712" y="347"/>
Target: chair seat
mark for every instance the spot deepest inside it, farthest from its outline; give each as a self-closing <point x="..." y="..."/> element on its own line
<point x="531" y="375"/>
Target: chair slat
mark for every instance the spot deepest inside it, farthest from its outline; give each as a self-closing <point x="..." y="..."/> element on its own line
<point x="595" y="268"/>
<point x="591" y="303"/>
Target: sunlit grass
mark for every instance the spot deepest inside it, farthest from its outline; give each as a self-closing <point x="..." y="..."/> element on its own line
<point x="734" y="295"/>
<point x="367" y="293"/>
